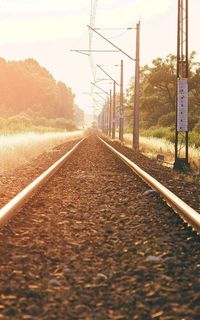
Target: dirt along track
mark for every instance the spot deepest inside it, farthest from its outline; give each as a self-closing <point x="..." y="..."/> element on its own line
<point x="93" y="245"/>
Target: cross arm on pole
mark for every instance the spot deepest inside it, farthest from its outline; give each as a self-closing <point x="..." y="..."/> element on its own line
<point x="99" y="95"/>
<point x="88" y="51"/>
<point x="106" y="73"/>
<point x="80" y="51"/>
<point x="100" y="88"/>
<point x="111" y="43"/>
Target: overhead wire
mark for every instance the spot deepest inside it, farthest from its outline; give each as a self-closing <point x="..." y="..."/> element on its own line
<point x="93" y="10"/>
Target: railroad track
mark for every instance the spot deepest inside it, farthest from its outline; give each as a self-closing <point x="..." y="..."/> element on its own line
<point x="188" y="214"/>
<point x="13" y="206"/>
<point x="96" y="243"/>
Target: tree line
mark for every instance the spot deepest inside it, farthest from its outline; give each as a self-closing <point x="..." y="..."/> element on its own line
<point x="26" y="88"/>
<point x="158" y="96"/>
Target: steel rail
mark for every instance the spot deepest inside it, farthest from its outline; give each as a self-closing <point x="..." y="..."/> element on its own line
<point x="13" y="206"/>
<point x="188" y="214"/>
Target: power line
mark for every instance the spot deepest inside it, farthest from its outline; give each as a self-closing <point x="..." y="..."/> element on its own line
<point x="115" y="28"/>
<point x="112" y="43"/>
<point x="100" y="88"/>
<point x="93" y="10"/>
<point x="83" y="50"/>
<point x="106" y="73"/>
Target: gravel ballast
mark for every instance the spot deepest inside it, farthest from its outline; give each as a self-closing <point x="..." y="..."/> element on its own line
<point x="95" y="244"/>
<point x="12" y="182"/>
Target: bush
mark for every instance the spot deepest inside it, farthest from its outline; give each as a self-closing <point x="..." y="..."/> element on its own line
<point x="62" y="123"/>
<point x="41" y="121"/>
<point x="197" y="127"/>
<point x="194" y="139"/>
<point x="70" y="125"/>
<point x="161" y="133"/>
<point x="19" y="122"/>
<point x="167" y="120"/>
<point x="24" y="122"/>
<point x="3" y="123"/>
<point x="169" y="134"/>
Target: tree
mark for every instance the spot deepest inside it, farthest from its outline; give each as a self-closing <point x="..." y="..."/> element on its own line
<point x="78" y="116"/>
<point x="158" y="92"/>
<point x="27" y="87"/>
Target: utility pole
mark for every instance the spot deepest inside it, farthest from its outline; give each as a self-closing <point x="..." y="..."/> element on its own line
<point x="181" y="138"/>
<point x="107" y="117"/>
<point x="121" y="108"/>
<point x="137" y="91"/>
<point x="137" y="85"/>
<point x="110" y="114"/>
<point x="114" y="110"/>
<point x="103" y="120"/>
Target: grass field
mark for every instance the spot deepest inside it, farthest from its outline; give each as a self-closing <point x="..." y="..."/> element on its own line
<point x="17" y="149"/>
<point x="151" y="146"/>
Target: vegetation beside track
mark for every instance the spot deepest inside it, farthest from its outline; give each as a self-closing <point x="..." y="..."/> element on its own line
<point x="158" y="100"/>
<point x="152" y="146"/>
<point x="17" y="149"/>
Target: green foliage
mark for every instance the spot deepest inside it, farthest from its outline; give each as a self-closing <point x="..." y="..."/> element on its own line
<point x="161" y="133"/>
<point x="78" y="116"/>
<point x="158" y="91"/>
<point x="194" y="138"/>
<point x="23" y="123"/>
<point x="26" y="87"/>
<point x="63" y="124"/>
<point x="19" y="122"/>
<point x="193" y="120"/>
<point x="70" y="125"/>
<point x="158" y="99"/>
<point x="197" y="127"/>
<point x="169" y="134"/>
<point x="167" y="119"/>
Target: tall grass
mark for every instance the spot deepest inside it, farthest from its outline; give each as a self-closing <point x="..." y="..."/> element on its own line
<point x="18" y="149"/>
<point x="168" y="133"/>
<point x="152" y="146"/>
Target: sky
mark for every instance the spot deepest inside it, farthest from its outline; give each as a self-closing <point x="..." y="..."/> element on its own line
<point x="47" y="30"/>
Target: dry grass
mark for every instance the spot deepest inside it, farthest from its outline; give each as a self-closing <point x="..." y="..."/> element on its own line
<point x="151" y="146"/>
<point x="18" y="149"/>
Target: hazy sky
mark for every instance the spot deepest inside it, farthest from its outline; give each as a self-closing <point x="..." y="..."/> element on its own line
<point x="47" y="29"/>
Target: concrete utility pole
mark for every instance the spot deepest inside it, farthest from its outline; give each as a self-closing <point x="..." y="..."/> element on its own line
<point x="110" y="114"/>
<point x="114" y="110"/>
<point x="137" y="91"/>
<point x="137" y="86"/>
<point x="121" y="108"/>
<point x="106" y="118"/>
<point x="102" y="120"/>
<point x="181" y="139"/>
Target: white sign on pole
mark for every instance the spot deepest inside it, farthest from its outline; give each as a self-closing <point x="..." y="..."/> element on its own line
<point x="182" y="105"/>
